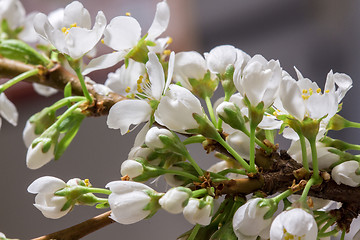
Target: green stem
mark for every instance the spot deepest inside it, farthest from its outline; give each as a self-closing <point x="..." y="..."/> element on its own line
<point x="303" y="152"/>
<point x="282" y="195"/>
<point x="211" y="110"/>
<point x="327" y="225"/>
<point x="67" y="113"/>
<point x="181" y="173"/>
<point x="18" y="78"/>
<point x="258" y="142"/>
<point x="269" y="134"/>
<point x="351" y="124"/>
<point x="199" y="193"/>
<point x="343" y="235"/>
<point x="194" y="164"/>
<point x="232" y="170"/>
<point x="243" y="163"/>
<point x="315" y="165"/>
<point x="83" y="86"/>
<point x="328" y="234"/>
<point x="102" y="200"/>
<point x="65" y="101"/>
<point x="194" y="232"/>
<point x="306" y="190"/>
<point x="252" y="148"/>
<point x="99" y="190"/>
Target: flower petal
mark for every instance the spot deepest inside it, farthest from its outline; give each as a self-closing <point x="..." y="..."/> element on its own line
<point x="44" y="90"/>
<point x="76" y="13"/>
<point x="8" y="110"/>
<point x="128" y="112"/>
<point x="156" y="75"/>
<point x="122" y="33"/>
<point x="104" y="61"/>
<point x="46" y="184"/>
<point x="291" y="98"/>
<point x="160" y="22"/>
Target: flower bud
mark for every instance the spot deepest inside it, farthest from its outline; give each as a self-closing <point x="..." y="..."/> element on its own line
<point x="36" y="157"/>
<point x="152" y="139"/>
<point x="29" y="134"/>
<point x="345" y="173"/>
<point x="175" y="199"/>
<point x="197" y="211"/>
<point x="231" y="114"/>
<point x="240" y="142"/>
<point x="131" y="168"/>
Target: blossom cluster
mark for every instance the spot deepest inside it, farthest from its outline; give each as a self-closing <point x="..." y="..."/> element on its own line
<point x="162" y="90"/>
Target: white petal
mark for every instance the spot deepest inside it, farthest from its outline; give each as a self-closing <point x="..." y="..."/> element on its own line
<point x="28" y="34"/>
<point x="140" y="137"/>
<point x="44" y="90"/>
<point x="291" y="99"/>
<point x="156" y="76"/>
<point x="35" y="158"/>
<point x="76" y="13"/>
<point x="79" y="40"/>
<point x="161" y="21"/>
<point x="104" y="61"/>
<point x="171" y="66"/>
<point x="220" y="57"/>
<point x="120" y="187"/>
<point x="128" y="112"/>
<point x="29" y="134"/>
<point x="46" y="184"/>
<point x="8" y="110"/>
<point x="122" y="33"/>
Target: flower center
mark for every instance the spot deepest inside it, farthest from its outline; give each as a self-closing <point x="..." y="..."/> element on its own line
<point x="307" y="93"/>
<point x="289" y="236"/>
<point x="66" y="30"/>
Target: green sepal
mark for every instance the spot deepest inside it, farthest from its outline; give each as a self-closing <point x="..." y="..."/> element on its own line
<point x="194" y="139"/>
<point x="88" y="199"/>
<point x="206" y="128"/>
<point x="150" y="43"/>
<point x="67" y="90"/>
<point x="71" y="129"/>
<point x="310" y="128"/>
<point x="7" y="33"/>
<point x="268" y="203"/>
<point x="43" y="120"/>
<point x="225" y="232"/>
<point x="172" y="144"/>
<point x="48" y="137"/>
<point x="149" y="171"/>
<point x="287" y="204"/>
<point x="69" y="203"/>
<point x="153" y="205"/>
<point x="227" y="81"/>
<point x="204" y="87"/>
<point x="234" y="118"/>
<point x="139" y="53"/>
<point x="18" y="50"/>
<point x="102" y="205"/>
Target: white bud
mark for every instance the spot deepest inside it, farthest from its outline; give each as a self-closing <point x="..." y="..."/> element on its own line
<point x="220" y="109"/>
<point x="45" y="200"/>
<point x="175" y="200"/>
<point x="240" y="142"/>
<point x="152" y="137"/>
<point x="195" y="215"/>
<point x="345" y="173"/>
<point x="220" y="57"/>
<point x="29" y="133"/>
<point x="131" y="168"/>
<point x="36" y="158"/>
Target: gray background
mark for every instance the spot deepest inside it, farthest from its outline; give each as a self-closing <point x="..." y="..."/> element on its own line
<point x="314" y="36"/>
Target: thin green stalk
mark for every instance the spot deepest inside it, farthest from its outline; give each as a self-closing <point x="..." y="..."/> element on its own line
<point x="314" y="159"/>
<point x="182" y="173"/>
<point x="327" y="225"/>
<point x="282" y="195"/>
<point x="99" y="190"/>
<point x="102" y="200"/>
<point x="83" y="86"/>
<point x="351" y="124"/>
<point x="343" y="235"/>
<point x="211" y="110"/>
<point x="65" y="101"/>
<point x="252" y="149"/>
<point x="258" y="142"/>
<point x="303" y="152"/>
<point x="328" y="234"/>
<point x="306" y="190"/>
<point x="194" y="164"/>
<point x="199" y="193"/>
<point x="269" y="134"/>
<point x="243" y="163"/>
<point x="18" y="78"/>
<point x="68" y="113"/>
<point x="194" y="232"/>
<point x="232" y="170"/>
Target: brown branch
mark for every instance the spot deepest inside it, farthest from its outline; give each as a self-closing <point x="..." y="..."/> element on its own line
<point x="58" y="77"/>
<point x="80" y="230"/>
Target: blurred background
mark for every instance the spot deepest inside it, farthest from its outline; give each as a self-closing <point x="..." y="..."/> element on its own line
<point x="314" y="36"/>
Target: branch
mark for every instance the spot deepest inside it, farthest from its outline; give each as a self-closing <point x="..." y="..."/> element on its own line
<point x="80" y="230"/>
<point x="57" y="77"/>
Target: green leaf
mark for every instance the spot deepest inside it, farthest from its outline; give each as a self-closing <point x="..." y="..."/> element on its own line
<point x="67" y="90"/>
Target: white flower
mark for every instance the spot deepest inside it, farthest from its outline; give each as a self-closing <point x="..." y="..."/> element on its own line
<point x="131" y="168"/>
<point x="152" y="139"/>
<point x="189" y="65"/>
<point x="176" y="108"/>
<point x="303" y="98"/>
<point x="259" y="80"/>
<point x="75" y="38"/>
<point x="220" y="57"/>
<point x="45" y="200"/>
<point x="44" y="90"/>
<point x="324" y="157"/>
<point x="345" y="173"/>
<point x="357" y="235"/>
<point x="249" y="222"/>
<point x="123" y="34"/>
<point x="293" y="224"/>
<point x="128" y="200"/>
<point x="29" y="134"/>
<point x="196" y="215"/>
<point x="135" y="111"/>
<point x="240" y="142"/>
<point x="2" y="235"/>
<point x="8" y="110"/>
<point x="124" y="80"/>
<point x="175" y="199"/>
<point x="36" y="158"/>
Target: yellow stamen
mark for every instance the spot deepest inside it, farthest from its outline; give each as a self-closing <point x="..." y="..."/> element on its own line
<point x="167" y="52"/>
<point x="318" y="90"/>
<point x="87" y="182"/>
<point x="139" y="81"/>
<point x="139" y="90"/>
<point x="304" y="91"/>
<point x="305" y="97"/>
<point x="128" y="14"/>
<point x="327" y="91"/>
<point x="127" y="90"/>
<point x="310" y="91"/>
<point x="169" y="41"/>
<point x="73" y="25"/>
<point x="64" y="29"/>
<point x="102" y="41"/>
